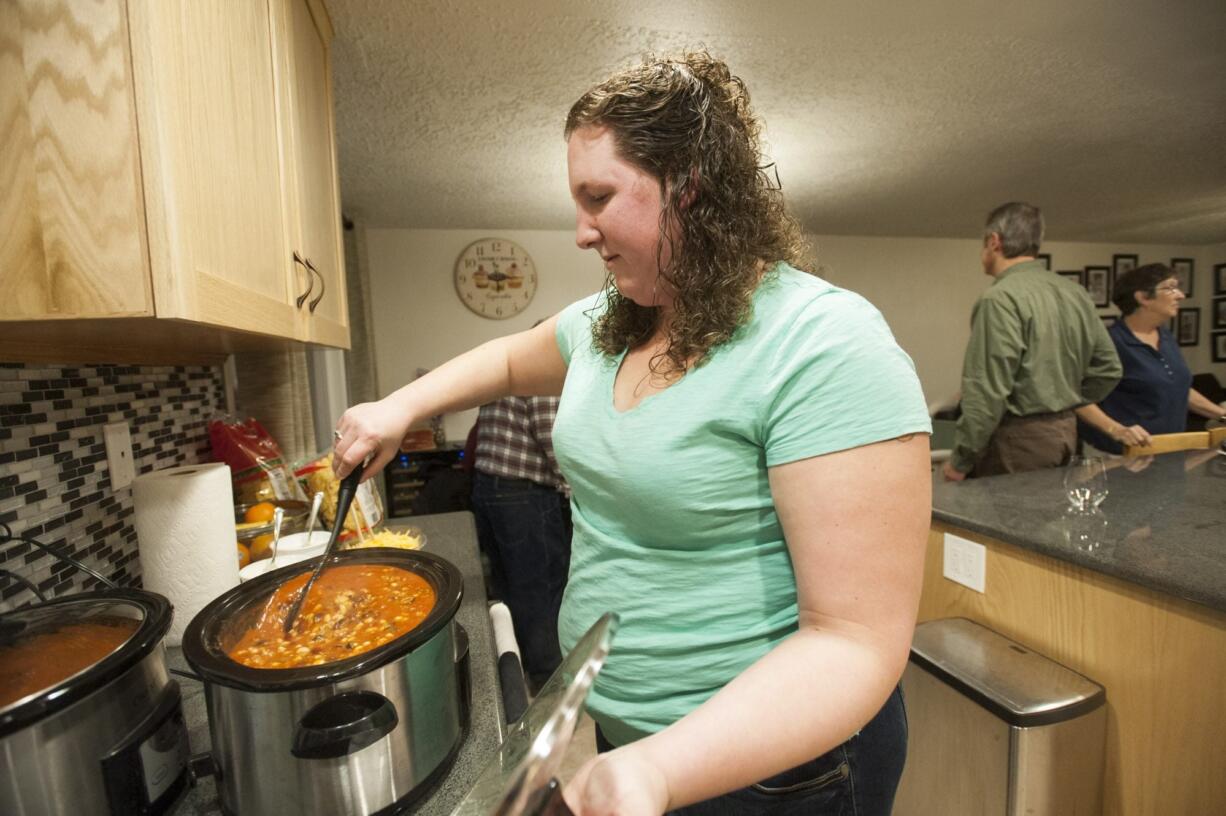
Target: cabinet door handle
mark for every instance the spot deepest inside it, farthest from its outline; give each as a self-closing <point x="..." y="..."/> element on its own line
<point x="322" y="287"/>
<point x="310" y="281"/>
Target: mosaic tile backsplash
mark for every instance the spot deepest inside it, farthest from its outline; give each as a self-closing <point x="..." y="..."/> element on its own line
<point x="54" y="480"/>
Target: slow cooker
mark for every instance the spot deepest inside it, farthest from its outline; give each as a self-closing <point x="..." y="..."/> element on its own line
<point x="367" y="734"/>
<point x="107" y="739"/>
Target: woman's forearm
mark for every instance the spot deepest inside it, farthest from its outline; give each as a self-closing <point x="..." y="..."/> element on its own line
<point x="524" y="364"/>
<point x="527" y="363"/>
<point x="472" y="379"/>
<point x="1131" y="435"/>
<point x="1097" y="418"/>
<point x="1201" y="405"/>
<point x="804" y="698"/>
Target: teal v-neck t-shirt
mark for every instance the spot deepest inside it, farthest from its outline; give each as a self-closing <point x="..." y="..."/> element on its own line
<point x="674" y="526"/>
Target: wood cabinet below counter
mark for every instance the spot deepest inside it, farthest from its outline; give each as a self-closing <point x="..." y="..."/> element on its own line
<point x="170" y="180"/>
<point x="1160" y="659"/>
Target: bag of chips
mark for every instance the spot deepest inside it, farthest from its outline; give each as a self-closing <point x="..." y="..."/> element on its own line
<point x="259" y="470"/>
<point x="316" y="476"/>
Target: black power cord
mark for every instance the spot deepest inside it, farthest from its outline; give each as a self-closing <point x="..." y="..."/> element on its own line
<point x="7" y="537"/>
<point x="26" y="582"/>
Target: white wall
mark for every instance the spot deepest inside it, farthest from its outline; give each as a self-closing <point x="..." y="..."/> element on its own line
<point x="925" y="287"/>
<point x="419" y="322"/>
<point x="1200" y="358"/>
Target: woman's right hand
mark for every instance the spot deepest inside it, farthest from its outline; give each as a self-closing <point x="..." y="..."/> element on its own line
<point x="1136" y="464"/>
<point x="1131" y="435"/>
<point x="371" y="429"/>
<point x="619" y="783"/>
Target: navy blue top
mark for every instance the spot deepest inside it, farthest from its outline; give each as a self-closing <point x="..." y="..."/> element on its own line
<point x="1153" y="392"/>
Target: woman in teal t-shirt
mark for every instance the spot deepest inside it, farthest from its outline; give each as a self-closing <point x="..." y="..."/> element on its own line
<point x="747" y="449"/>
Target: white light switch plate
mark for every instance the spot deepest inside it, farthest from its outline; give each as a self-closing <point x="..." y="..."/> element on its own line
<point x="119" y="454"/>
<point x="965" y="562"/>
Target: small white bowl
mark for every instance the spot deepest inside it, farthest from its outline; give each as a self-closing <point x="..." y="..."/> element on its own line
<point x="257" y="568"/>
<point x="297" y="542"/>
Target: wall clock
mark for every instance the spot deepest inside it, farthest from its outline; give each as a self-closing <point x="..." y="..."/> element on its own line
<point x="495" y="278"/>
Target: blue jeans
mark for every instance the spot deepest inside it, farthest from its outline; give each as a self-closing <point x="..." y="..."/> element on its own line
<point x="524" y="528"/>
<point x="858" y="778"/>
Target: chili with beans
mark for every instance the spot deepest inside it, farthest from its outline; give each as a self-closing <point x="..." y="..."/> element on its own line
<point x="352" y="609"/>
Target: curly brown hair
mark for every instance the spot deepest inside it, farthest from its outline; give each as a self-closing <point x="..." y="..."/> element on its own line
<point x="686" y="120"/>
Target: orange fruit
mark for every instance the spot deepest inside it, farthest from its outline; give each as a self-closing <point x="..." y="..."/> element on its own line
<point x="260" y="512"/>
<point x="260" y="546"/>
<point x="244" y="556"/>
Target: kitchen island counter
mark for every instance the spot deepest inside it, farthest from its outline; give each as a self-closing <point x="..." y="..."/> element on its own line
<point x="1132" y="596"/>
<point x="1161" y="527"/>
<point x="452" y="536"/>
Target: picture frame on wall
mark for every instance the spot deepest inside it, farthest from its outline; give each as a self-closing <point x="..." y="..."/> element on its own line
<point x="1045" y="258"/>
<point x="1219" y="279"/>
<point x="1219" y="313"/>
<point x="1183" y="269"/>
<point x="1219" y="346"/>
<point x="1187" y="326"/>
<point x="1075" y="275"/>
<point x="1098" y="284"/>
<point x="1121" y="264"/>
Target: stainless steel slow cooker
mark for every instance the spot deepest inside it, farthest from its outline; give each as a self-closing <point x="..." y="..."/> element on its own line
<point x="364" y="735"/>
<point x="108" y="739"/>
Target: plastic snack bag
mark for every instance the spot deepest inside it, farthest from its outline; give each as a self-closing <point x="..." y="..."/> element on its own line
<point x="315" y="476"/>
<point x="259" y="469"/>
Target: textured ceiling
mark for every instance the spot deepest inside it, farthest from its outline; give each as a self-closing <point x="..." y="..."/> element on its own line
<point x="884" y="118"/>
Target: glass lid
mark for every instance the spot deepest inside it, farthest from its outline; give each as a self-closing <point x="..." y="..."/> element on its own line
<point x="521" y="777"/>
<point x="44" y="646"/>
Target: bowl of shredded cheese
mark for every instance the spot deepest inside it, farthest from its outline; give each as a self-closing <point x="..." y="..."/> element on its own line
<point x="405" y="538"/>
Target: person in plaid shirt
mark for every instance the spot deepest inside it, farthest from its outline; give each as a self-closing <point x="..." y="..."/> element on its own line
<point x="522" y="509"/>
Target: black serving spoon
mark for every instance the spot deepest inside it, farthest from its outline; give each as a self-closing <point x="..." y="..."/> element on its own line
<point x="344" y="498"/>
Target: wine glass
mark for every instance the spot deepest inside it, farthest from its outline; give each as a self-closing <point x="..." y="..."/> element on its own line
<point x="1085" y="482"/>
<point x="1085" y="530"/>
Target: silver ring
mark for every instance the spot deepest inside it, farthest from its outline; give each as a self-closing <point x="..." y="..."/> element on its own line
<point x="337" y="435"/>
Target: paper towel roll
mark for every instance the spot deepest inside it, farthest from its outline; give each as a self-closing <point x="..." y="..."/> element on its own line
<point x="185" y="530"/>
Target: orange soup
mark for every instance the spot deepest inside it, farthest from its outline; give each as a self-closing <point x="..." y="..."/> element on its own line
<point x="352" y="609"/>
<point x="39" y="661"/>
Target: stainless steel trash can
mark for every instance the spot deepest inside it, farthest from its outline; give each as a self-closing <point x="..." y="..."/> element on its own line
<point x="995" y="728"/>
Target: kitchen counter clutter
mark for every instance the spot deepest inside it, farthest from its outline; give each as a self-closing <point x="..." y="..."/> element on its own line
<point x="1162" y="525"/>
<point x="452" y="536"/>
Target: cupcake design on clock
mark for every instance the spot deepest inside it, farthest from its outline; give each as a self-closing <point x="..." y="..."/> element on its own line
<point x="495" y="278"/>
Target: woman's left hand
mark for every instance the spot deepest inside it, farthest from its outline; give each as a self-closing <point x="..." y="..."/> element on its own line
<point x="620" y="783"/>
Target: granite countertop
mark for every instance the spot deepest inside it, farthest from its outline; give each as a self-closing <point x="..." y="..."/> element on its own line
<point x="1162" y="525"/>
<point x="454" y="537"/>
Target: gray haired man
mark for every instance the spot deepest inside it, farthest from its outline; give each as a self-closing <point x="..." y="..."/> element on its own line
<point x="1037" y="351"/>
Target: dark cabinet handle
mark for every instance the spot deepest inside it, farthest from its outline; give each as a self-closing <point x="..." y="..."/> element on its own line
<point x="320" y="296"/>
<point x="310" y="282"/>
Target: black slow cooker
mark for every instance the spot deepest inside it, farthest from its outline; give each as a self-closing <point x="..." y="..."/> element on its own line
<point x="106" y="739"/>
<point x="363" y="735"/>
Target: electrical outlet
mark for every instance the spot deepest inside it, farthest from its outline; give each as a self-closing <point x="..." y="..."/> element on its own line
<point x="965" y="562"/>
<point x="119" y="454"/>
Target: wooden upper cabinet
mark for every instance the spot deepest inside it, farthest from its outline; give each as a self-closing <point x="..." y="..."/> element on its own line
<point x="206" y="102"/>
<point x="71" y="212"/>
<point x="313" y="219"/>
<point x="161" y="164"/>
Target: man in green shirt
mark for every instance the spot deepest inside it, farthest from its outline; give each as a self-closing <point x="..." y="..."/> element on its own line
<point x="1037" y="351"/>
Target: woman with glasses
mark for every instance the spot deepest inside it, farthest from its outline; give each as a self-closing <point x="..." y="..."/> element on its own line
<point x="1155" y="393"/>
